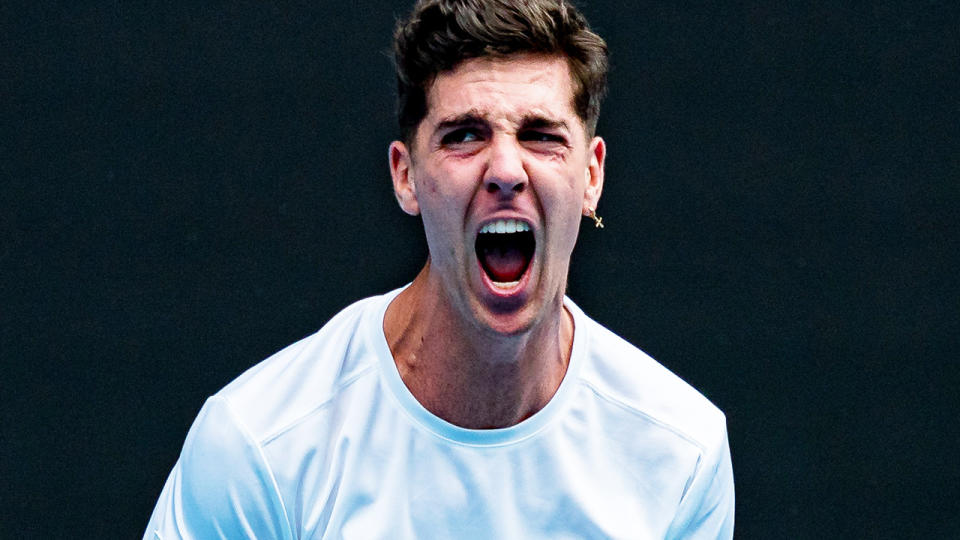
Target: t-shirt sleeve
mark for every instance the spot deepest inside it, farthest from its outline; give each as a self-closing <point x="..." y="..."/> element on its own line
<point x="221" y="487"/>
<point x="706" y="511"/>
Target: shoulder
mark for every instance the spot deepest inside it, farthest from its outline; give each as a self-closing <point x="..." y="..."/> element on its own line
<point x="617" y="371"/>
<point x="307" y="374"/>
<point x="221" y="487"/>
<point x="225" y="483"/>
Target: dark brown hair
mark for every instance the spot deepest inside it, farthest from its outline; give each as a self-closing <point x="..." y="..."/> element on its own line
<point x="440" y="34"/>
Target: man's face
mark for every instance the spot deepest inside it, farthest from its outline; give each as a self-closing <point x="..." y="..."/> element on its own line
<point x="501" y="169"/>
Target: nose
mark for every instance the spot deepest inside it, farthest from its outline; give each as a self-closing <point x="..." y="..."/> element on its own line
<point x="505" y="174"/>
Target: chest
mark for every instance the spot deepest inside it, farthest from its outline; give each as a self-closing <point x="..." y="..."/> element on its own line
<point x="389" y="478"/>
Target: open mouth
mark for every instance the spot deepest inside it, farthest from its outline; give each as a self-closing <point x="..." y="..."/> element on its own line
<point x="505" y="248"/>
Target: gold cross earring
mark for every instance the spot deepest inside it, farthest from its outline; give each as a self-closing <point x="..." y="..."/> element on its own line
<point x="597" y="220"/>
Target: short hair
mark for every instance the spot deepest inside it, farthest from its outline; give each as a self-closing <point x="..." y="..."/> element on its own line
<point x="439" y="34"/>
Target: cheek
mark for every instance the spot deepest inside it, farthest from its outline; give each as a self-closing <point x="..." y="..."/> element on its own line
<point x="432" y="189"/>
<point x="565" y="204"/>
<point x="565" y="191"/>
<point x="441" y="206"/>
<point x="451" y="192"/>
<point x="450" y="177"/>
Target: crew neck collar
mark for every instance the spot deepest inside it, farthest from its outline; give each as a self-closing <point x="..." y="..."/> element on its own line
<point x="439" y="427"/>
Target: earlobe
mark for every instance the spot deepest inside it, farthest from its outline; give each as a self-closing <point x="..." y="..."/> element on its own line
<point x="401" y="172"/>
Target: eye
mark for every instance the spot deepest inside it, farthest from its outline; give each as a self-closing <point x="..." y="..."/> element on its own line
<point x="540" y="137"/>
<point x="460" y="136"/>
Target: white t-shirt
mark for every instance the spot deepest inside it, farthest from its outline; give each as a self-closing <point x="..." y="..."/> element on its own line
<point x="324" y="440"/>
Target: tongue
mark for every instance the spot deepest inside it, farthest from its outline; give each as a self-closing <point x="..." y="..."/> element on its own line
<point x="504" y="263"/>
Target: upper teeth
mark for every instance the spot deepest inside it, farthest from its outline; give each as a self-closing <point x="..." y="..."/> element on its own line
<point x="502" y="226"/>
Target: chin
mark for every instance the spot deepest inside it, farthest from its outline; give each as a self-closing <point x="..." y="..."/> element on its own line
<point x="514" y="321"/>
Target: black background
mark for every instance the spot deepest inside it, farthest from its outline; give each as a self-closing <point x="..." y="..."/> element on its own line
<point x="188" y="188"/>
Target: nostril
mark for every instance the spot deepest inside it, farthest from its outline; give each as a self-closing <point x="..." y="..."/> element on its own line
<point x="518" y="188"/>
<point x="493" y="187"/>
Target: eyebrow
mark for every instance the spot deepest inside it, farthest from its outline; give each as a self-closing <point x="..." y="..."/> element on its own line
<point x="469" y="118"/>
<point x="540" y="122"/>
<point x="472" y="118"/>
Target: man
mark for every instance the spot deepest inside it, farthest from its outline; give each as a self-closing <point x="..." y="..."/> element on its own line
<point x="478" y="401"/>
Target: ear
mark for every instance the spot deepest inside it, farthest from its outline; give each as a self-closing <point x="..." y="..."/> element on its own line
<point x="401" y="171"/>
<point x="594" y="173"/>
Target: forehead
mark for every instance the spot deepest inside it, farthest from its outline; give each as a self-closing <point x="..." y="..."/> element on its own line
<point x="504" y="88"/>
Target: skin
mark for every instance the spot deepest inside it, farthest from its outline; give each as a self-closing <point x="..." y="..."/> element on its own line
<point x="500" y="139"/>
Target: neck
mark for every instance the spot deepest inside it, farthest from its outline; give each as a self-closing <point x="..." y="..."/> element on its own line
<point x="473" y="377"/>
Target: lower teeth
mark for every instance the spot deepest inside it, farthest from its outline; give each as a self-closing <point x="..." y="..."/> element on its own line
<point x="506" y="284"/>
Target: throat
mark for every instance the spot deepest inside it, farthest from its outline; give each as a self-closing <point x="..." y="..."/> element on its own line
<point x="473" y="379"/>
<point x="505" y="257"/>
<point x="503" y="263"/>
